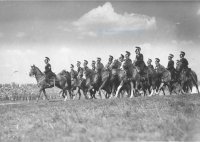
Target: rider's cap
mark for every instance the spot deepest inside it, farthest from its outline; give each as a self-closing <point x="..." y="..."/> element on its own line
<point x="93" y="62"/>
<point x="78" y="62"/>
<point x="128" y="53"/>
<point x="149" y="60"/>
<point x="47" y="58"/>
<point x="98" y="58"/>
<point x="137" y="48"/>
<point x="157" y="59"/>
<point x="110" y="56"/>
<point x="72" y="66"/>
<point x="171" y="55"/>
<point x="122" y="56"/>
<point x="182" y="53"/>
<point x="85" y="61"/>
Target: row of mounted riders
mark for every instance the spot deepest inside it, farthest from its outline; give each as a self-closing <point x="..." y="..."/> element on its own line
<point x="119" y="76"/>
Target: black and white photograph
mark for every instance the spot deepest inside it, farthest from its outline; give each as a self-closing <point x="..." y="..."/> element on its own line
<point x="99" y="71"/>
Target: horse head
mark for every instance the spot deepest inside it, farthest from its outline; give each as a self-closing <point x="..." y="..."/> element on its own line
<point x="96" y="78"/>
<point x="74" y="74"/>
<point x="65" y="74"/>
<point x="32" y="71"/>
<point x="178" y="66"/>
<point x="35" y="71"/>
<point x="125" y="65"/>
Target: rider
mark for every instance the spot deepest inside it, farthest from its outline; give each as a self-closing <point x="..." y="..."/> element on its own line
<point x="85" y="63"/>
<point x="99" y="66"/>
<point x="149" y="65"/>
<point x="87" y="71"/>
<point x="73" y="72"/>
<point x="170" y="66"/>
<point x="93" y="65"/>
<point x="48" y="72"/>
<point x="110" y="61"/>
<point x="79" y="70"/>
<point x="184" y="63"/>
<point x="121" y="60"/>
<point x="128" y="62"/>
<point x="139" y="61"/>
<point x="160" y="69"/>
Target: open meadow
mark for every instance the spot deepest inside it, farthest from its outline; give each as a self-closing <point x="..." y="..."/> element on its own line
<point x="165" y="118"/>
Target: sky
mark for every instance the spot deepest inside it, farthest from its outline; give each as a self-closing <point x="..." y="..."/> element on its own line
<point x="70" y="31"/>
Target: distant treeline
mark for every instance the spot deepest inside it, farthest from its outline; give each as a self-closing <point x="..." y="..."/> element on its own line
<point x="14" y="91"/>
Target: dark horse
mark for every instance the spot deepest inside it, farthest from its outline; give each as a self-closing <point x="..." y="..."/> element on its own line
<point x="187" y="78"/>
<point x="62" y="81"/>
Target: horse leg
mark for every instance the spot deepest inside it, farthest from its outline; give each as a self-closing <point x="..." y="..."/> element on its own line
<point x="84" y="93"/>
<point x="76" y="91"/>
<point x="131" y="89"/>
<point x="196" y="85"/>
<point x="161" y="85"/>
<point x="128" y="90"/>
<point x="79" y="92"/>
<point x="40" y="91"/>
<point x="136" y="87"/>
<point x="99" y="92"/>
<point x="66" y="95"/>
<point x="94" y="93"/>
<point x="44" y="92"/>
<point x="103" y="84"/>
<point x="163" y="91"/>
<point x="113" y="89"/>
<point x="119" y="88"/>
<point x="152" y="92"/>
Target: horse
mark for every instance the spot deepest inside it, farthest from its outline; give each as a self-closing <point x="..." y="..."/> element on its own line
<point x="187" y="78"/>
<point x="130" y="77"/>
<point x="78" y="84"/>
<point x="148" y="80"/>
<point x="105" y="82"/>
<point x="93" y="82"/>
<point x="61" y="81"/>
<point x="162" y="78"/>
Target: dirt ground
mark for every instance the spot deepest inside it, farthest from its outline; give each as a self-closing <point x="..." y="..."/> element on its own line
<point x="163" y="118"/>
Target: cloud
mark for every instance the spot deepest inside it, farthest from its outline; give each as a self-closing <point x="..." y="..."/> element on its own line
<point x="104" y="20"/>
<point x="198" y="12"/>
<point x="14" y="52"/>
<point x="1" y="35"/>
<point x="64" y="50"/>
<point x="21" y="34"/>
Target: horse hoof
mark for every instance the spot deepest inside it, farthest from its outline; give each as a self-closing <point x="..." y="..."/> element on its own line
<point x="150" y="95"/>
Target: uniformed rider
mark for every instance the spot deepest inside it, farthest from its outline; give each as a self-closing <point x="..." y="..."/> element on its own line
<point x="110" y="61"/>
<point x="139" y="61"/>
<point x="184" y="63"/>
<point x="149" y="65"/>
<point x="79" y="70"/>
<point x="93" y="65"/>
<point x="99" y="66"/>
<point x="48" y="72"/>
<point x="170" y="66"/>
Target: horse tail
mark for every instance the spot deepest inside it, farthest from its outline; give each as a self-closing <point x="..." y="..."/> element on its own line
<point x="194" y="79"/>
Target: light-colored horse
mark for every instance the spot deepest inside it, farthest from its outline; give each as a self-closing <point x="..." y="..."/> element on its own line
<point x="62" y="81"/>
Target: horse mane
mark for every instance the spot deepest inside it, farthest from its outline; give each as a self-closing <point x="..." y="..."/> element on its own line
<point x="38" y="69"/>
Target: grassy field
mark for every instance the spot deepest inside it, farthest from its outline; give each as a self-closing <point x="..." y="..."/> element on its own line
<point x="165" y="118"/>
